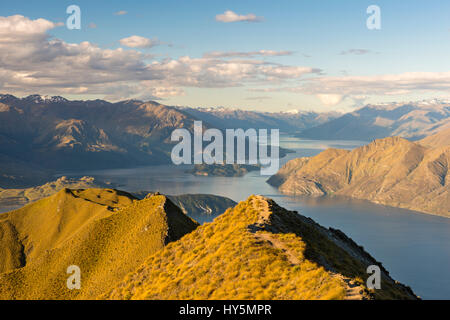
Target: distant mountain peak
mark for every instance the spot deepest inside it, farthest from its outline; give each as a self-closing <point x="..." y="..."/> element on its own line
<point x="36" y="98"/>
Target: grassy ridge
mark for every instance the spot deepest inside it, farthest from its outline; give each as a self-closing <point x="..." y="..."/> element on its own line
<point x="105" y="232"/>
<point x="255" y="251"/>
<point x="149" y="249"/>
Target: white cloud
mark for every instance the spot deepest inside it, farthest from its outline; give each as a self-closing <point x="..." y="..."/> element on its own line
<point x="332" y="90"/>
<point x="121" y="13"/>
<point x="389" y="84"/>
<point x="330" y="99"/>
<point x="138" y="42"/>
<point x="18" y="27"/>
<point x="230" y="16"/>
<point x="32" y="61"/>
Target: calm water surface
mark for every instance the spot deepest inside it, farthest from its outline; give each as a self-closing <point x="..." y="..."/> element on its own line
<point x="414" y="247"/>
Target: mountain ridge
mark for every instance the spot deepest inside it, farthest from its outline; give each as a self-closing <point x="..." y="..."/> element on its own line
<point x="391" y="171"/>
<point x="413" y="121"/>
<point x="258" y="250"/>
<point x="107" y="233"/>
<point x="42" y="135"/>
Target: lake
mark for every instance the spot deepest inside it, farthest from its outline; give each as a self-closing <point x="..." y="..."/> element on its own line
<point x="413" y="247"/>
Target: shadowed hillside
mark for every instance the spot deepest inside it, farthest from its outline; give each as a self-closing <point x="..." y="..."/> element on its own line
<point x="196" y="206"/>
<point x="39" y="134"/>
<point x="391" y="171"/>
<point x="107" y="233"/>
<point x="258" y="250"/>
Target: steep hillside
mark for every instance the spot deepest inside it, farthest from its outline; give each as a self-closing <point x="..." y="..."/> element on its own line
<point x="411" y="121"/>
<point x="391" y="171"/>
<point x="196" y="206"/>
<point x="107" y="233"/>
<point x="440" y="139"/>
<point x="56" y="133"/>
<point x="258" y="250"/>
<point x="15" y="173"/>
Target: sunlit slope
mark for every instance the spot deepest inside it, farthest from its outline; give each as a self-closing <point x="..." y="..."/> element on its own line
<point x="391" y="171"/>
<point x="440" y="139"/>
<point x="107" y="233"/>
<point x="258" y="250"/>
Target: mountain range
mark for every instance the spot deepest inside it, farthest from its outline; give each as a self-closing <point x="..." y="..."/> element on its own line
<point x="40" y="135"/>
<point x="391" y="171"/>
<point x="287" y="122"/>
<point x="412" y="121"/>
<point x="149" y="249"/>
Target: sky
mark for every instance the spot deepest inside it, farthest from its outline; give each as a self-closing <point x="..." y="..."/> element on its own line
<point x="255" y="54"/>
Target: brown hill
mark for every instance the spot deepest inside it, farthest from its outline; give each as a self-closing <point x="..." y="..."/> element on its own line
<point x="258" y="250"/>
<point x="391" y="171"/>
<point x="107" y="233"/>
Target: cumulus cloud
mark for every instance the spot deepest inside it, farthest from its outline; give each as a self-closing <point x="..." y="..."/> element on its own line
<point x="207" y="73"/>
<point x="230" y="16"/>
<point x="330" y="99"/>
<point x="138" y="42"/>
<point x="18" y="28"/>
<point x="33" y="61"/>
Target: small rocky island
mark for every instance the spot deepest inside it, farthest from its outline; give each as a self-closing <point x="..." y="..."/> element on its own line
<point x="223" y="170"/>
